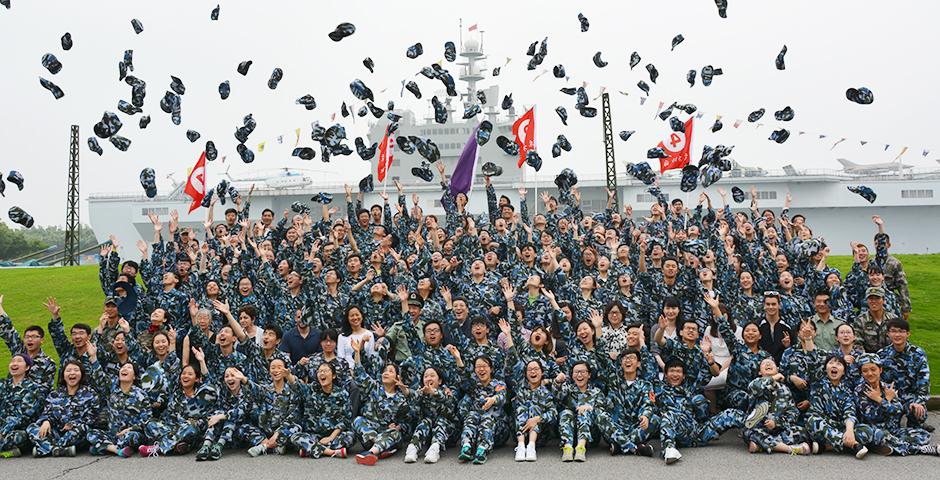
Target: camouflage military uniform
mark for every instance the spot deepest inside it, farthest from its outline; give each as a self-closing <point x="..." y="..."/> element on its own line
<point x="884" y="418"/>
<point x="436" y="415"/>
<point x="807" y="365"/>
<point x="782" y="411"/>
<point x="126" y="414"/>
<point x="873" y="335"/>
<point x="273" y="412"/>
<point x="484" y="428"/>
<point x="77" y="412"/>
<point x="379" y="411"/>
<point x="323" y="413"/>
<point x="538" y="402"/>
<point x="43" y="370"/>
<point x="183" y="423"/>
<point x="573" y="426"/>
<point x="680" y="428"/>
<point x="831" y="407"/>
<point x="909" y="372"/>
<point x="744" y="367"/>
<point x="20" y="403"/>
<point x="619" y="416"/>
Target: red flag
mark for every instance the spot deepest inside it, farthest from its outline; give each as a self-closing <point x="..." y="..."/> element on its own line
<point x="196" y="183"/>
<point x="472" y="27"/>
<point x="527" y="124"/>
<point x="386" y="155"/>
<point x="677" y="146"/>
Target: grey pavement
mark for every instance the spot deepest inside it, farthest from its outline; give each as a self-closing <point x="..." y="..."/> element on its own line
<point x="725" y="459"/>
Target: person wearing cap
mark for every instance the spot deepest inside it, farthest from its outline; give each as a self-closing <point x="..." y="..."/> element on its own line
<point x="108" y="261"/>
<point x="425" y="351"/>
<point x="876" y="278"/>
<point x="43" y="370"/>
<point x="410" y="316"/>
<point x="879" y="408"/>
<point x="871" y="325"/>
<point x="905" y="366"/>
<point x="21" y="401"/>
<point x="109" y="324"/>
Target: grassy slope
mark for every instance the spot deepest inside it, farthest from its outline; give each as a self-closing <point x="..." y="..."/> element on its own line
<point x="77" y="290"/>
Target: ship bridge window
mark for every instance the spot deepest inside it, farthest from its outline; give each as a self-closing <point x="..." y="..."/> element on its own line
<point x="591" y="205"/>
<point x="647" y="198"/>
<point x="437" y="203"/>
<point x="918" y="193"/>
<point x="766" y="195"/>
<point x="159" y="211"/>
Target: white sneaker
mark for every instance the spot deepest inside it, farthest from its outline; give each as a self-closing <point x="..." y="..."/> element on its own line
<point x="520" y="452"/>
<point x="672" y="455"/>
<point x="530" y="453"/>
<point x="411" y="454"/>
<point x="760" y="411"/>
<point x="433" y="454"/>
<point x="257" y="450"/>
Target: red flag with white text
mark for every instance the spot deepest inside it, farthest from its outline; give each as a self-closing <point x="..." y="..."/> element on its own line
<point x="196" y="183"/>
<point x="386" y="155"/>
<point x="677" y="146"/>
<point x="525" y="123"/>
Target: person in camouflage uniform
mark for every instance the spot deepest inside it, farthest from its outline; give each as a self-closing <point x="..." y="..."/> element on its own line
<point x="871" y="325"/>
<point x="325" y="428"/>
<point x="535" y="411"/>
<point x="184" y="421"/>
<point x="385" y="419"/>
<point x="577" y="415"/>
<point x="679" y="425"/>
<point x="275" y="414"/>
<point x="831" y="420"/>
<point x="802" y="364"/>
<point x="226" y="423"/>
<point x="43" y="370"/>
<point x="20" y="403"/>
<point x="485" y="425"/>
<point x="127" y="411"/>
<point x="905" y="367"/>
<point x="434" y="408"/>
<point x="68" y="413"/>
<point x="773" y="425"/>
<point x="877" y="405"/>
<point x="627" y="418"/>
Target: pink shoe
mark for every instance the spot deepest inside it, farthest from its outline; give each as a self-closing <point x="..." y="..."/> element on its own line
<point x="148" y="451"/>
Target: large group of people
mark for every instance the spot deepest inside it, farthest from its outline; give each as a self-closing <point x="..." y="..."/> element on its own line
<point x="394" y="330"/>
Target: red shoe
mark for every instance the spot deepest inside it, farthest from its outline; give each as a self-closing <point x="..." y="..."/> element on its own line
<point x="387" y="453"/>
<point x="366" y="458"/>
<point x="341" y="453"/>
<point x="148" y="451"/>
<point x="302" y="453"/>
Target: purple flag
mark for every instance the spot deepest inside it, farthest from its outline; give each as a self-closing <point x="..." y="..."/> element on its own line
<point x="461" y="180"/>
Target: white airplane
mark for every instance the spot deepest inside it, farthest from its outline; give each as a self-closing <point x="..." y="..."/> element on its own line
<point x="282" y="178"/>
<point x="871" y="168"/>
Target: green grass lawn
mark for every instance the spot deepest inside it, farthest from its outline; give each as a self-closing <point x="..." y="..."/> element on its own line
<point x="24" y="291"/>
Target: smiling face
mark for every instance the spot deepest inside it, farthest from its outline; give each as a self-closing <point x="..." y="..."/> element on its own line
<point x="539" y="337"/>
<point x="581" y="374"/>
<point x="17" y="366"/>
<point x="325" y="375"/>
<point x="188" y="377"/>
<point x="533" y="372"/>
<point x="675" y="376"/>
<point x="585" y="333"/>
<point x="629" y="363"/>
<point x="751" y="334"/>
<point x="231" y="378"/>
<point x="871" y="373"/>
<point x="126" y="373"/>
<point x="161" y="344"/>
<point x="483" y="370"/>
<point x="354" y="316"/>
<point x="328" y="345"/>
<point x="278" y="370"/>
<point x="768" y="367"/>
<point x="389" y="375"/>
<point x="433" y="334"/>
<point x="79" y="337"/>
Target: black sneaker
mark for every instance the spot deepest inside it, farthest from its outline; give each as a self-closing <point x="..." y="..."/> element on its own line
<point x="929" y="450"/>
<point x="644" y="450"/>
<point x="615" y="449"/>
<point x="928" y="427"/>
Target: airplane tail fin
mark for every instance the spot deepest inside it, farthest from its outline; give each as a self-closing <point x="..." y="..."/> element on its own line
<point x="846" y="163"/>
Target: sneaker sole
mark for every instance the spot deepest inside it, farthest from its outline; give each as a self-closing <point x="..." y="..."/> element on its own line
<point x="861" y="453"/>
<point x="369" y="460"/>
<point x="757" y="415"/>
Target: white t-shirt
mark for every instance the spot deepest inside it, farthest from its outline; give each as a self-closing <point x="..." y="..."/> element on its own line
<point x="344" y="346"/>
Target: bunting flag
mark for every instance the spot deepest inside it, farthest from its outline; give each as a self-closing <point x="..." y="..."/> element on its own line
<point x="297" y="142"/>
<point x="822" y="136"/>
<point x="659" y="109"/>
<point x="926" y="152"/>
<point x="642" y="100"/>
<point x="461" y="180"/>
<point x="196" y="183"/>
<point x="526" y="123"/>
<point x="903" y="151"/>
<point x="863" y="142"/>
<point x="838" y="142"/>
<point x="386" y="155"/>
<point x="737" y="123"/>
<point x="677" y="146"/>
<point x="473" y="27"/>
<point x="887" y="145"/>
<point x="260" y="147"/>
<point x="280" y="139"/>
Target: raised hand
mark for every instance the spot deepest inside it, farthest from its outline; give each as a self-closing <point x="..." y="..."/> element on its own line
<point x="52" y="306"/>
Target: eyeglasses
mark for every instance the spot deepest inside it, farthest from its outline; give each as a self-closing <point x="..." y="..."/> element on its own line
<point x="772" y="293"/>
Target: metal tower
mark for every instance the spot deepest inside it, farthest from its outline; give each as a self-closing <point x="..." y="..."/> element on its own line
<point x="72" y="225"/>
<point x="609" y="151"/>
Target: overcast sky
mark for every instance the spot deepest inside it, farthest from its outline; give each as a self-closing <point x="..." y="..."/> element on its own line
<point x="885" y="46"/>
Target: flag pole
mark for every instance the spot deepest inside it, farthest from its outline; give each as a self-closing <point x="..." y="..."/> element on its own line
<point x="536" y="175"/>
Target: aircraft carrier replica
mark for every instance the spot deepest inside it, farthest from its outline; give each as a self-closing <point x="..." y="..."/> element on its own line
<point x="908" y="198"/>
